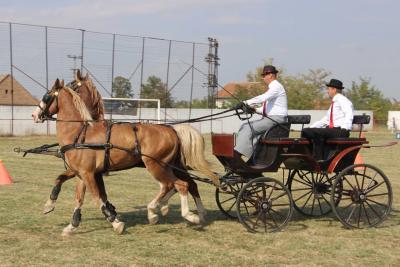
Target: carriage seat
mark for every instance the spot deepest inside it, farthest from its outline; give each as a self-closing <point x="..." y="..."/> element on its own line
<point x="279" y="134"/>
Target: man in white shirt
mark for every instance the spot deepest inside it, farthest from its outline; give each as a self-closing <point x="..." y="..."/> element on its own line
<point x="336" y="123"/>
<point x="273" y="111"/>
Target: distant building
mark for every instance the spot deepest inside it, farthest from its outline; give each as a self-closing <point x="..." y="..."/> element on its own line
<point x="225" y="95"/>
<point x="21" y="96"/>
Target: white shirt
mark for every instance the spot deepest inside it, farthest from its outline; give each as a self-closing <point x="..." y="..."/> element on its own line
<point x="275" y="96"/>
<point x="342" y="114"/>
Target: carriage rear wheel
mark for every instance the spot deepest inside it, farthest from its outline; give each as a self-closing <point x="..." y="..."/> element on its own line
<point x="264" y="205"/>
<point x="226" y="196"/>
<point x="366" y="198"/>
<point x="311" y="192"/>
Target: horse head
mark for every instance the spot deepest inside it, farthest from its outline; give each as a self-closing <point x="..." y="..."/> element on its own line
<point x="86" y="99"/>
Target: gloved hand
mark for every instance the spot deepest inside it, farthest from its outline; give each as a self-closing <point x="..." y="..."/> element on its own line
<point x="248" y="109"/>
<point x="239" y="105"/>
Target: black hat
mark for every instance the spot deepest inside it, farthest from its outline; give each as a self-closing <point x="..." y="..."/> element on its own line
<point x="335" y="84"/>
<point x="269" y="69"/>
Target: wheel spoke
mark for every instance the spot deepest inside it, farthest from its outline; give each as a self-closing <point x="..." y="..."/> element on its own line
<point x="303" y="196"/>
<point x="359" y="216"/>
<point x="279" y="196"/>
<point x="351" y="213"/>
<point x="272" y="217"/>
<point x="376" y="213"/>
<point x="278" y="213"/>
<point x="307" y="201"/>
<point x="302" y="175"/>
<point x="320" y="207"/>
<point x="299" y="189"/>
<point x="226" y="200"/>
<point x="366" y="214"/>
<point x="313" y="204"/>
<point x="380" y="204"/>
<point x="377" y="195"/>
<point x="344" y="178"/>
<point x="369" y="189"/>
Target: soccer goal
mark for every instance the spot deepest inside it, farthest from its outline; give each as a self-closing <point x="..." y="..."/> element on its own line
<point x="128" y="109"/>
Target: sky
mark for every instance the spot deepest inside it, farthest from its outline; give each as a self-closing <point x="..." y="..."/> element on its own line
<point x="349" y="38"/>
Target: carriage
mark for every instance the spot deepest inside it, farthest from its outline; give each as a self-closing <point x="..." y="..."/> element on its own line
<point x="360" y="195"/>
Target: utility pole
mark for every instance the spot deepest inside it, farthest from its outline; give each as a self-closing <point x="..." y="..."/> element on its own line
<point x="212" y="60"/>
<point x="74" y="58"/>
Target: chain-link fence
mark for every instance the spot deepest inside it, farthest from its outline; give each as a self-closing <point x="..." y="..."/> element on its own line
<point x="36" y="55"/>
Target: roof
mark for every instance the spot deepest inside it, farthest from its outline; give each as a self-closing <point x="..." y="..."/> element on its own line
<point x="21" y="96"/>
<point x="231" y="87"/>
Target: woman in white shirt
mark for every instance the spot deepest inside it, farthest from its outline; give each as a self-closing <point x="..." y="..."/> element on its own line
<point x="336" y="123"/>
<point x="274" y="106"/>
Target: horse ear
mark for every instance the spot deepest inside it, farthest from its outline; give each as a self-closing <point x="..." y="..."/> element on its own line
<point x="78" y="75"/>
<point x="56" y="83"/>
<point x="86" y="76"/>
<point x="61" y="83"/>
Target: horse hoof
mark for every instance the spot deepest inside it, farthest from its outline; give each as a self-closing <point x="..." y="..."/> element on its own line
<point x="192" y="218"/>
<point x="49" y="206"/>
<point x="153" y="219"/>
<point x="164" y="210"/>
<point x="118" y="226"/>
<point x="68" y="231"/>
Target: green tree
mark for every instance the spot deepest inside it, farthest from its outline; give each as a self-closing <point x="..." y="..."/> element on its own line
<point x="121" y="88"/>
<point x="156" y="89"/>
<point x="305" y="91"/>
<point x="367" y="97"/>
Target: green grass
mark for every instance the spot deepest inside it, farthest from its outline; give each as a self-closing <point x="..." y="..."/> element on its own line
<point x="27" y="237"/>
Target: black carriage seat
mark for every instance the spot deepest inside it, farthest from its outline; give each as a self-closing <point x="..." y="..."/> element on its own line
<point x="273" y="142"/>
<point x="338" y="144"/>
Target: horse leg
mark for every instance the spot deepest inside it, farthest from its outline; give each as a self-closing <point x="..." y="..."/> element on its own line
<point x="183" y="187"/>
<point x="194" y="191"/>
<point x="164" y="207"/>
<point x="118" y="226"/>
<point x="80" y="190"/>
<point x="152" y="207"/>
<point x="51" y="202"/>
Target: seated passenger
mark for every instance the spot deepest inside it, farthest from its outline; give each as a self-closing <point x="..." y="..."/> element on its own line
<point x="274" y="106"/>
<point x="336" y="123"/>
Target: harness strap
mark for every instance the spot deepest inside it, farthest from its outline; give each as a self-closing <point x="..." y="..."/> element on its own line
<point x="137" y="151"/>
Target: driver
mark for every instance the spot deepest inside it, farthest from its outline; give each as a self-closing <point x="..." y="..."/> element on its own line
<point x="273" y="110"/>
<point x="336" y="123"/>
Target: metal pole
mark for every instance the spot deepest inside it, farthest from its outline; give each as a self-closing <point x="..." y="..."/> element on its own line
<point x="47" y="70"/>
<point x="112" y="65"/>
<point x="141" y="78"/>
<point x="12" y="82"/>
<point x="166" y="89"/>
<point x="82" y="43"/>
<point x="112" y="73"/>
<point x="191" y="85"/>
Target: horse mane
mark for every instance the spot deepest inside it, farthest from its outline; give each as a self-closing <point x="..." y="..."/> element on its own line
<point x="80" y="105"/>
<point x="98" y="104"/>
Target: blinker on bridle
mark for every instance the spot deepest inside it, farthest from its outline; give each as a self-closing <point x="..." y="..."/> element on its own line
<point x="49" y="98"/>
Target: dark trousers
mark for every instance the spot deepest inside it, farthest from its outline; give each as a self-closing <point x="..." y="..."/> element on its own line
<point x="317" y="137"/>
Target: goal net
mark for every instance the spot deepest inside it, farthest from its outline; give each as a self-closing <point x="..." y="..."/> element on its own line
<point x="130" y="109"/>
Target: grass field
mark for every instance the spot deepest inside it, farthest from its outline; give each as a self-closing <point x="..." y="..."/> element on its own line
<point x="29" y="238"/>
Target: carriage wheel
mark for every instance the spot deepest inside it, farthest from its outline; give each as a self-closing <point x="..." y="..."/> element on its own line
<point x="226" y="197"/>
<point x="264" y="205"/>
<point x="311" y="192"/>
<point x="366" y="197"/>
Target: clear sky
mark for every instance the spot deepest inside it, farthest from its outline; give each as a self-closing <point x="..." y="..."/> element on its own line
<point x="350" y="38"/>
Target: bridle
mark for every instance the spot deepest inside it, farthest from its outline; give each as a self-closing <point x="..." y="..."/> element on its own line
<point x="51" y="96"/>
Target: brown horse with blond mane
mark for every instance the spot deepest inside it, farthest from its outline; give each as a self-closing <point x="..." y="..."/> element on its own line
<point x="129" y="145"/>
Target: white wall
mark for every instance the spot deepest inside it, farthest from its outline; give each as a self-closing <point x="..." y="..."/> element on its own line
<point x="24" y="125"/>
<point x="393" y="122"/>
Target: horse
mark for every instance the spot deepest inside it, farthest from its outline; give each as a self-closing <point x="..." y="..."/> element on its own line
<point x="93" y="101"/>
<point x="176" y="148"/>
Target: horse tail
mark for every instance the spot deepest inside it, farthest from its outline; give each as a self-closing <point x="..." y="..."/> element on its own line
<point x="192" y="151"/>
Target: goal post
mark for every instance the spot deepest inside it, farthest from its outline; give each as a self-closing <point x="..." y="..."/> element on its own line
<point x="133" y="109"/>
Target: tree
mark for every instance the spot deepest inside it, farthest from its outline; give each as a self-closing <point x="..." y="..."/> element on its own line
<point x="156" y="89"/>
<point x="306" y="90"/>
<point x="121" y="88"/>
<point x="367" y="97"/>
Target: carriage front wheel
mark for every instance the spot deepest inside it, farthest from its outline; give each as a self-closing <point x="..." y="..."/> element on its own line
<point x="264" y="205"/>
<point x="366" y="196"/>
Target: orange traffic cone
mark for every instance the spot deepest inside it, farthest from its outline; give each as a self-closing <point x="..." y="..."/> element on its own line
<point x="359" y="159"/>
<point x="5" y="178"/>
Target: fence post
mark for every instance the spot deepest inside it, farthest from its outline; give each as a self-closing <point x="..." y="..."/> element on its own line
<point x="167" y="82"/>
<point x="11" y="81"/>
<point x="47" y="72"/>
<point x="82" y="46"/>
